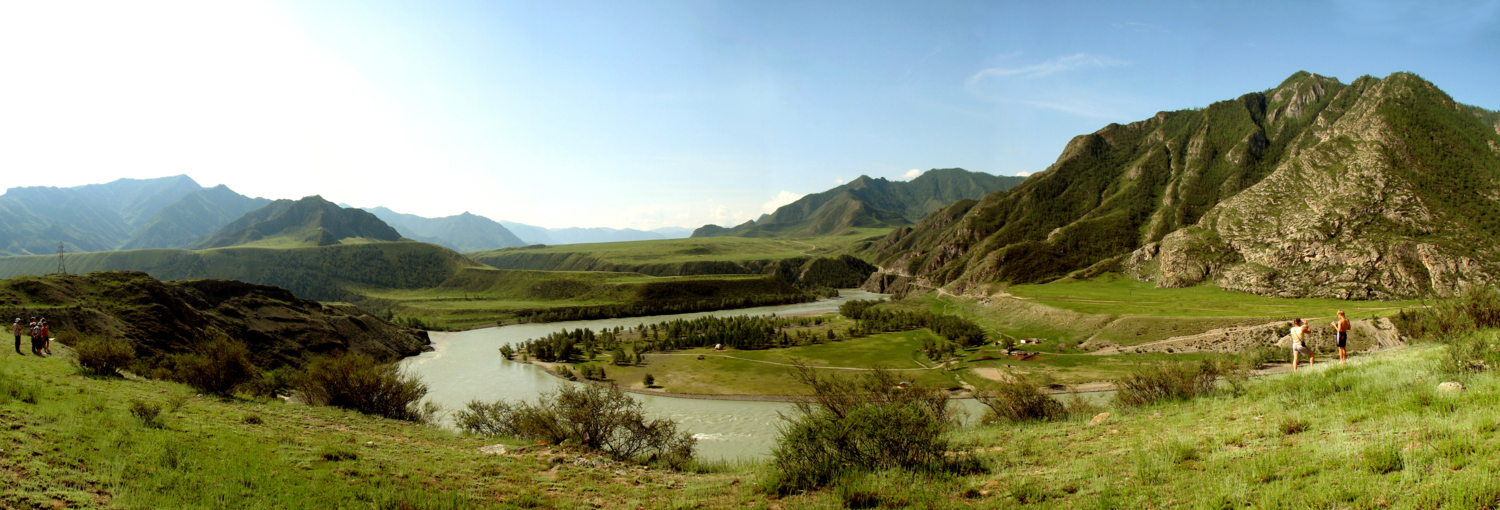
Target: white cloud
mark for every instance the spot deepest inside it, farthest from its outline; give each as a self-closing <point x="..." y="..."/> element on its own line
<point x="783" y="198"/>
<point x="838" y="180"/>
<point x="911" y="174"/>
<point x="1023" y="174"/>
<point x="1051" y="67"/>
<point x="1068" y="84"/>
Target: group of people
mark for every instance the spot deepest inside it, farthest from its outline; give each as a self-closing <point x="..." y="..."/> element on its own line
<point x="1300" y="330"/>
<point x="40" y="333"/>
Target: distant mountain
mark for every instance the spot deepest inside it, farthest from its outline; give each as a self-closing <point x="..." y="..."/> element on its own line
<point x="1378" y="189"/>
<point x="867" y="202"/>
<point x="311" y="221"/>
<point x="464" y="232"/>
<point x="95" y="217"/>
<point x="575" y="235"/>
<point x="196" y="214"/>
<point x="673" y="232"/>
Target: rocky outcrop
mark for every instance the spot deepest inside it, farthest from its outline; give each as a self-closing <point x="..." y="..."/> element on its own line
<point x="160" y="318"/>
<point x="1380" y="189"/>
<point x="1365" y="335"/>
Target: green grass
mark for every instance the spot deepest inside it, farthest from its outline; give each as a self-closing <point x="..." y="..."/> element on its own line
<point x="676" y="251"/>
<point x="75" y="445"/>
<point x="484" y="296"/>
<point x="1126" y="296"/>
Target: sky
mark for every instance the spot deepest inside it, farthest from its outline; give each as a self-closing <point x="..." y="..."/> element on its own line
<point x="651" y="114"/>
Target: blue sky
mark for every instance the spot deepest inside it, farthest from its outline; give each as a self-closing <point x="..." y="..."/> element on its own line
<point x="650" y="114"/>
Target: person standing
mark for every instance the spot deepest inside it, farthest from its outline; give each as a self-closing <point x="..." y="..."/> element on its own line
<point x="36" y="338"/>
<point x="46" y="338"/>
<point x="1342" y="327"/>
<point x="15" y="328"/>
<point x="1298" y="347"/>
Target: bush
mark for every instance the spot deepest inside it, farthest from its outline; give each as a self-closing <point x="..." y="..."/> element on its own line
<point x="1382" y="457"/>
<point x="357" y="382"/>
<point x="1017" y="399"/>
<point x="273" y="382"/>
<point x="1474" y="354"/>
<point x="600" y="418"/>
<point x="147" y="413"/>
<point x="862" y="424"/>
<point x="216" y="366"/>
<point x="1167" y="381"/>
<point x="103" y="357"/>
<point x="337" y="452"/>
<point x="1450" y="319"/>
<point x="649" y="381"/>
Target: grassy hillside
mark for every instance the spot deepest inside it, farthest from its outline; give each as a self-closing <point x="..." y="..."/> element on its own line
<point x="71" y="442"/>
<point x="158" y="318"/>
<point x="1373" y="434"/>
<point x="323" y="273"/>
<point x="686" y="257"/>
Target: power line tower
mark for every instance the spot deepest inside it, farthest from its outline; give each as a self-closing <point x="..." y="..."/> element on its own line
<point x="62" y="267"/>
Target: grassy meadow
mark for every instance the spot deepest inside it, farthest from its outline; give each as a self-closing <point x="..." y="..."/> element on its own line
<point x="678" y="251"/>
<point x="1126" y="296"/>
<point x="1376" y="433"/>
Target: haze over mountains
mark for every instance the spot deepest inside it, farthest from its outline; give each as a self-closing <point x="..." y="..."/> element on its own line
<point x="867" y="202"/>
<point x="1383" y="188"/>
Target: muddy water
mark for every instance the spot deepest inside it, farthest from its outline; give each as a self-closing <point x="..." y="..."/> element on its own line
<point x="467" y="365"/>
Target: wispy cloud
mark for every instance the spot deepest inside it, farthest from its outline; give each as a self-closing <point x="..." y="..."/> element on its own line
<point x="1069" y="84"/>
<point x="838" y="180"/>
<point x="1057" y="65"/>
<point x="911" y="174"/>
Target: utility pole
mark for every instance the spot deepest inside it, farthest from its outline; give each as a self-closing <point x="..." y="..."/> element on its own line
<point x="62" y="267"/>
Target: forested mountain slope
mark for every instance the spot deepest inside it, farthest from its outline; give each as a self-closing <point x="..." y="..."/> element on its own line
<point x="867" y="202"/>
<point x="1382" y="188"/>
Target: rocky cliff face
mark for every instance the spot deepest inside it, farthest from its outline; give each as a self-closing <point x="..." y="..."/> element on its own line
<point x="1384" y="188"/>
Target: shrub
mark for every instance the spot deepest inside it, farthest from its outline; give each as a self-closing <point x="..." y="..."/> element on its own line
<point x="862" y="424"/>
<point x="1474" y="354"/>
<point x="337" y="452"/>
<point x="251" y="419"/>
<point x="1017" y="399"/>
<point x="649" y="381"/>
<point x="1449" y="319"/>
<point x="600" y="418"/>
<point x="147" y="413"/>
<point x="273" y="382"/>
<point x="1292" y="425"/>
<point x="1382" y="457"/>
<point x="357" y="382"/>
<point x="216" y="366"/>
<point x="1167" y="381"/>
<point x="103" y="357"/>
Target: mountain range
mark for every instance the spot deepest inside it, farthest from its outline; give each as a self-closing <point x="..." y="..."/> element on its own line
<point x="1377" y="189"/>
<point x="868" y="202"/>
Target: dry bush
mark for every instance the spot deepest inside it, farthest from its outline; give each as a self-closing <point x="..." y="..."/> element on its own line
<point x="1167" y="381"/>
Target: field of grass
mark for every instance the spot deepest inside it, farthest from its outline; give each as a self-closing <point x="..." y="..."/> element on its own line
<point x="677" y="251"/>
<point x="484" y="296"/>
<point x="1376" y="433"/>
<point x="69" y="441"/>
<point x="1126" y="296"/>
<point x="769" y="371"/>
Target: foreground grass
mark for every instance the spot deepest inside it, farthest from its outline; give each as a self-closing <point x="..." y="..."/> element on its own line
<point x="1373" y="434"/>
<point x="68" y="441"/>
<point x="1376" y="434"/>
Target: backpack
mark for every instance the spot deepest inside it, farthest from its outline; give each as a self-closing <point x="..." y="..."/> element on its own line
<point x="36" y="331"/>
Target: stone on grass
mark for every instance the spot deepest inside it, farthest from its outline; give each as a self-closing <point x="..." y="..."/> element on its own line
<point x="1098" y="418"/>
<point x="1451" y="387"/>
